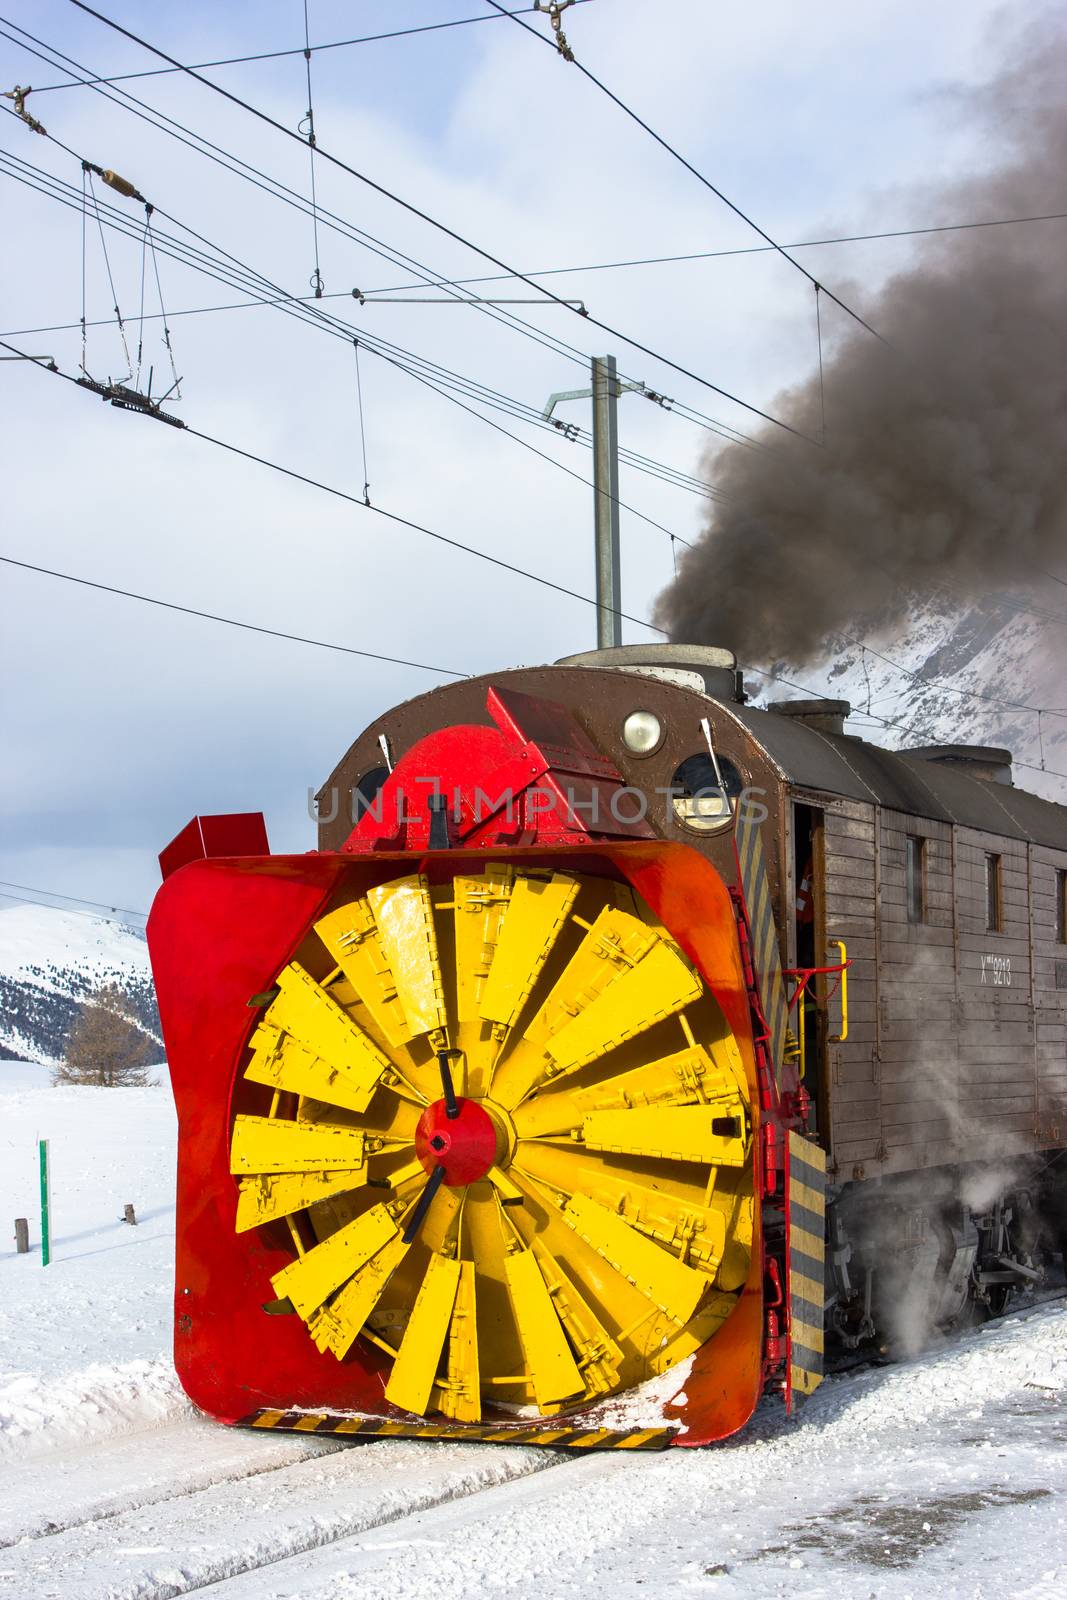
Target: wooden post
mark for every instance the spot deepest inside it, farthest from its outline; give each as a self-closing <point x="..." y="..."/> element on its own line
<point x="22" y="1236"/>
<point x="46" y="1220"/>
<point x="129" y="1215"/>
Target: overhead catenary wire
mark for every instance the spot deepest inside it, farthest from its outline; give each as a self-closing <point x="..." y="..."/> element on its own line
<point x="889" y="722"/>
<point x="276" y="55"/>
<point x="445" y="671"/>
<point x="70" y="911"/>
<point x="1041" y="615"/>
<point x="677" y="155"/>
<point x="1027" y="610"/>
<point x="88" y="191"/>
<point x="362" y="428"/>
<point x="380" y="511"/>
<point x="235" y="272"/>
<point x="230" y="622"/>
<point x="417" y="367"/>
<point x="822" y="381"/>
<point x="740" y="250"/>
<point x="259" y="179"/>
<point x="110" y="277"/>
<point x="931" y="684"/>
<point x="174" y="391"/>
<point x="279" y="191"/>
<point x="249" y="281"/>
<point x="909" y="726"/>
<point x="252" y="282"/>
<point x="77" y="899"/>
<point x="140" y="316"/>
<point x="434" y="222"/>
<point x="309" y="120"/>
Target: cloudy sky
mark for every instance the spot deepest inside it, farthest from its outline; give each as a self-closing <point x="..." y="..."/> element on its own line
<point x="121" y="720"/>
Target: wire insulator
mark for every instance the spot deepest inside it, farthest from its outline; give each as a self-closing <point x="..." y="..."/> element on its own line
<point x="115" y="180"/>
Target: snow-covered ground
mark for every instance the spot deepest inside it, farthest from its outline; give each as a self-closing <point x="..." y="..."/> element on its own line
<point x="946" y="1477"/>
<point x="84" y="1341"/>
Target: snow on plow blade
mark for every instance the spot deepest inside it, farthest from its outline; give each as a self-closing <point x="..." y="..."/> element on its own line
<point x="467" y="1144"/>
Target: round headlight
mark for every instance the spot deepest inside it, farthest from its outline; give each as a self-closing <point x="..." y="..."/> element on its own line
<point x="642" y="732"/>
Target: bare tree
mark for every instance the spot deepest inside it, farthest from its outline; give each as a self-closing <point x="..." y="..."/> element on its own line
<point x="104" y="1046"/>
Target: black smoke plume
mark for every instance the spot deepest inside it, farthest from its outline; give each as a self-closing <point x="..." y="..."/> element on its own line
<point x="944" y="459"/>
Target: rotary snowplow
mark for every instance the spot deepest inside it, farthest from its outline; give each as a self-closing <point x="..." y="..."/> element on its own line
<point x="472" y="1128"/>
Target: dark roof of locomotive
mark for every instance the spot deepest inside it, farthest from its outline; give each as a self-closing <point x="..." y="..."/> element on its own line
<point x="840" y="764"/>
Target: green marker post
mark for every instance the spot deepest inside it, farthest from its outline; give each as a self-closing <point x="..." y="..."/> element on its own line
<point x="46" y="1220"/>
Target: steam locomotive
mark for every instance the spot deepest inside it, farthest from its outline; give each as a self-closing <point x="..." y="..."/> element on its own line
<point x="619" y="1047"/>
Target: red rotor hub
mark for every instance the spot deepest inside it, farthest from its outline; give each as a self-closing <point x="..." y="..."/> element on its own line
<point x="465" y="1144"/>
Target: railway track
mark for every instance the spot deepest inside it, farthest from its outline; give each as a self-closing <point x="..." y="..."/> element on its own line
<point x="182" y="1508"/>
<point x="189" y="1508"/>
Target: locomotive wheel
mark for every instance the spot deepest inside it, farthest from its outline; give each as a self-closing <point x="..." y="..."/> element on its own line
<point x="508" y="1133"/>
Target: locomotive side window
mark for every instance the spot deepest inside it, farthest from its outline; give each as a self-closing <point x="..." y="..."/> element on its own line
<point x="993" y="897"/>
<point x="365" y="791"/>
<point x="698" y="799"/>
<point x="915" y="877"/>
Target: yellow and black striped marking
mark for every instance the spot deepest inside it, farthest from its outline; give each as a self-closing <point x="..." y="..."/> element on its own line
<point x="752" y="873"/>
<point x="570" y="1438"/>
<point x="806" y="1243"/>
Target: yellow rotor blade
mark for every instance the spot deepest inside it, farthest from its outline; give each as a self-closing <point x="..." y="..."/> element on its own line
<point x="280" y="1061"/>
<point x="335" y="1327"/>
<point x="688" y="1077"/>
<point x="623" y="977"/>
<point x="415" y="1368"/>
<point x="460" y="1396"/>
<point x="684" y="1222"/>
<point x="712" y="1135"/>
<point x="310" y="1280"/>
<point x="313" y="1017"/>
<point x="599" y="1357"/>
<point x="403" y="914"/>
<point x="351" y="938"/>
<point x="401" y="1178"/>
<point x="658" y="986"/>
<point x="264" y="1199"/>
<point x="536" y="915"/>
<point x="614" y="945"/>
<point x="510" y="1194"/>
<point x="272" y="1144"/>
<point x="551" y="1365"/>
<point x="674" y="1287"/>
<point x="481" y="901"/>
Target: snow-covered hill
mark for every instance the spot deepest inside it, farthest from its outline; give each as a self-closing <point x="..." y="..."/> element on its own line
<point x="50" y="962"/>
<point x="974" y="674"/>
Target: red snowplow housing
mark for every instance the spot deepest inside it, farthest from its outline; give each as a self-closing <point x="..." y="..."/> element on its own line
<point x="225" y="926"/>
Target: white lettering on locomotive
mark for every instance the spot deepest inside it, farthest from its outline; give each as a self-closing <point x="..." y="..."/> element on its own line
<point x="996" y="970"/>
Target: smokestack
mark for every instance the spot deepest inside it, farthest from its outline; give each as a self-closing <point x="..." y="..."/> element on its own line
<point x="943" y="459"/>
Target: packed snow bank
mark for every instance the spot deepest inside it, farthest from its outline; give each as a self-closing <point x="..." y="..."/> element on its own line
<point x="85" y="1341"/>
<point x="100" y="1398"/>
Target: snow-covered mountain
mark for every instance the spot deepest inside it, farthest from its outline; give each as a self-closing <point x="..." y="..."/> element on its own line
<point x="50" y="962"/>
<point x="974" y="674"/>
